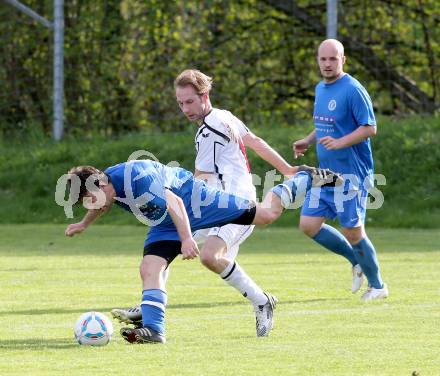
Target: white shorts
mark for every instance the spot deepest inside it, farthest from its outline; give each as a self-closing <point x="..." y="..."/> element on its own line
<point x="233" y="235"/>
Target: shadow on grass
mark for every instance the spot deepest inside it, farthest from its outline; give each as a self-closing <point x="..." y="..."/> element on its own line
<point x="245" y="303"/>
<point x="106" y="310"/>
<point x="13" y="270"/>
<point x="55" y="311"/>
<point x="60" y="311"/>
<point x="37" y="344"/>
<point x="205" y="305"/>
<point x="318" y="300"/>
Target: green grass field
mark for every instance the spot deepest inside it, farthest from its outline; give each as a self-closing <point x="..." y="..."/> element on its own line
<point x="48" y="280"/>
<point x="406" y="152"/>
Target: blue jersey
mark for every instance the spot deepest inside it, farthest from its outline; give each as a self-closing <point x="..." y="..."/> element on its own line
<point x="340" y="108"/>
<point x="140" y="188"/>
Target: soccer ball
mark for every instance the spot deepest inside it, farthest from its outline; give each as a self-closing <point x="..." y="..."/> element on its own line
<point x="93" y="329"/>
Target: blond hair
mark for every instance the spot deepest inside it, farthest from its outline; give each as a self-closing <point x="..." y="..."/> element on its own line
<point x="198" y="80"/>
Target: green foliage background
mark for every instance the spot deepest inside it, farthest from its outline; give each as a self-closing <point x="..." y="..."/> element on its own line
<point x="121" y="58"/>
<point x="406" y="152"/>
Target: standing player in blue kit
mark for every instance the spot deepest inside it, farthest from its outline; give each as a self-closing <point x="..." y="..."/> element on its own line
<point x="344" y="122"/>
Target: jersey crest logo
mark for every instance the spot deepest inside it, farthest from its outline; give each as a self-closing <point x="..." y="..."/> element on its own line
<point x="205" y="134"/>
<point x="332" y="105"/>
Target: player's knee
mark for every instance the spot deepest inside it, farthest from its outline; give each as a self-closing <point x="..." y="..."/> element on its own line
<point x="148" y="270"/>
<point x="353" y="237"/>
<point x="308" y="228"/>
<point x="209" y="259"/>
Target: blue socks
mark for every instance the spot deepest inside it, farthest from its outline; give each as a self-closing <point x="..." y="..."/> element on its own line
<point x="333" y="240"/>
<point x="362" y="253"/>
<point x="366" y="256"/>
<point x="153" y="306"/>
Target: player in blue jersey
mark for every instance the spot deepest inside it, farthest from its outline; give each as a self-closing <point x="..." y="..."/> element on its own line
<point x="174" y="204"/>
<point x="221" y="160"/>
<point x="344" y="122"/>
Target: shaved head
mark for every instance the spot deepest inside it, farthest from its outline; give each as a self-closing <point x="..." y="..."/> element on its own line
<point x="332" y="45"/>
<point x="331" y="60"/>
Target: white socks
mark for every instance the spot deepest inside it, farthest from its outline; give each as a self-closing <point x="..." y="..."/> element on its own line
<point x="236" y="277"/>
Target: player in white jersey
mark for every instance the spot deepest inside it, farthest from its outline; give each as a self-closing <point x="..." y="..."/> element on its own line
<point x="221" y="160"/>
<point x="221" y="151"/>
<point x="221" y="142"/>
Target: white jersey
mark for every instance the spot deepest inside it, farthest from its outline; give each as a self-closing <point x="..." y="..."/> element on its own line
<point x="218" y="153"/>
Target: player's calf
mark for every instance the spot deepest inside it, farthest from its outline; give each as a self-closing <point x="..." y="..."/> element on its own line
<point x="287" y="192"/>
<point x="306" y="178"/>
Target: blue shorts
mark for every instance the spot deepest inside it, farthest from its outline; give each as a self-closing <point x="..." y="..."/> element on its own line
<point x="349" y="207"/>
<point x="206" y="207"/>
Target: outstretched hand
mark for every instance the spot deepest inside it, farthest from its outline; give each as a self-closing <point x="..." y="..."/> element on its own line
<point x="74" y="228"/>
<point x="299" y="148"/>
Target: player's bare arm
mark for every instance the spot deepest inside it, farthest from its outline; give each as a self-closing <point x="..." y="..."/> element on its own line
<point x="77" y="228"/>
<point x="178" y="214"/>
<point x="353" y="138"/>
<point x="265" y="151"/>
<point x="96" y="207"/>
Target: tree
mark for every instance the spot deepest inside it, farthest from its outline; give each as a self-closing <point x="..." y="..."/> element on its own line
<point x="121" y="58"/>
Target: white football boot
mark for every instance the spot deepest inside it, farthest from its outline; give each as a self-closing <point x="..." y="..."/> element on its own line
<point x="128" y="315"/>
<point x="373" y="294"/>
<point x="358" y="278"/>
<point x="264" y="316"/>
